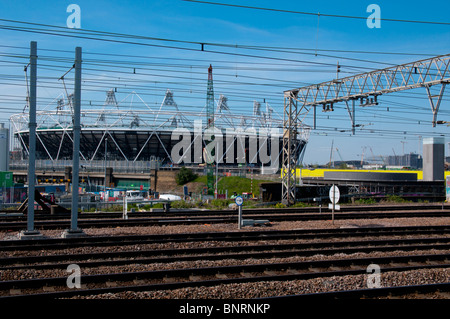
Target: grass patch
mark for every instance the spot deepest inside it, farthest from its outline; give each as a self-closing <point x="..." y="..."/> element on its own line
<point x="240" y="185"/>
<point x="396" y="199"/>
<point x="235" y="184"/>
<point x="200" y="179"/>
<point x="365" y="201"/>
<point x="181" y="204"/>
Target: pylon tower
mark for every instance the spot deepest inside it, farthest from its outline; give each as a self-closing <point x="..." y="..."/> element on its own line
<point x="210" y="123"/>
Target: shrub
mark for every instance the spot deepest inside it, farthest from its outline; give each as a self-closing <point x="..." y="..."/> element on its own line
<point x="280" y="205"/>
<point x="365" y="201"/>
<point x="220" y="203"/>
<point x="396" y="199"/>
<point x="180" y="204"/>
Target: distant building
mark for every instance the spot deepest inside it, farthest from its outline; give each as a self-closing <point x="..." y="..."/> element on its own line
<point x="407" y="160"/>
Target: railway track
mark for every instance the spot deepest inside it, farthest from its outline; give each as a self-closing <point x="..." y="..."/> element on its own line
<point x="56" y="287"/>
<point x="39" y="215"/>
<point x="220" y="253"/>
<point x="325" y="242"/>
<point x="186" y="218"/>
<point x="238" y="237"/>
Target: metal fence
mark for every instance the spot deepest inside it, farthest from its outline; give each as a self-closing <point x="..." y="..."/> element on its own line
<point x="90" y="166"/>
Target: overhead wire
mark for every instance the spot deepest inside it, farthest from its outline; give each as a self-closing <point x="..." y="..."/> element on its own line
<point x="286" y="83"/>
<point x="88" y="34"/>
<point x="130" y="64"/>
<point x="316" y="14"/>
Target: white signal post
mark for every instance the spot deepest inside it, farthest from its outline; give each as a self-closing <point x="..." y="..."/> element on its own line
<point x="239" y="201"/>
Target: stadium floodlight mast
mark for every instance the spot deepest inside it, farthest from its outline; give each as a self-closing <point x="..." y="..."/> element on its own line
<point x="364" y="87"/>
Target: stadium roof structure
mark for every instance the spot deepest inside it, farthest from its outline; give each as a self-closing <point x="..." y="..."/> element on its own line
<point x="129" y="129"/>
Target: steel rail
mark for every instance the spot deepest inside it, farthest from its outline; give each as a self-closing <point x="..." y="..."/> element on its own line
<point x="221" y="253"/>
<point x="158" y="221"/>
<point x="60" y="243"/>
<point x="225" y="212"/>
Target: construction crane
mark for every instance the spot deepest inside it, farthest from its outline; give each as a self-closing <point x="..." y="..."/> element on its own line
<point x="374" y="157"/>
<point x="362" y="155"/>
<point x="340" y="156"/>
<point x="210" y="123"/>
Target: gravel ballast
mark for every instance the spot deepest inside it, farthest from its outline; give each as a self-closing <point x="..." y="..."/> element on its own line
<point x="282" y="288"/>
<point x="243" y="290"/>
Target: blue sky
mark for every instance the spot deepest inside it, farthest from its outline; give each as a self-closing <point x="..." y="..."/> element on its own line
<point x="243" y="79"/>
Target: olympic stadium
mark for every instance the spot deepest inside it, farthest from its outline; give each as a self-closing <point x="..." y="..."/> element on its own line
<point x="131" y="131"/>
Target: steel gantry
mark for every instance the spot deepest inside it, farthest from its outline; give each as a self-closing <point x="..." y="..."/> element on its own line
<point x="365" y="87"/>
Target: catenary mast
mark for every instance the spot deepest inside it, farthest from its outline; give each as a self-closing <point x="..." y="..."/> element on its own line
<point x="210" y="123"/>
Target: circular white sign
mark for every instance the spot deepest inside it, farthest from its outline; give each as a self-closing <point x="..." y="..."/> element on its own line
<point x="334" y="194"/>
<point x="239" y="200"/>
